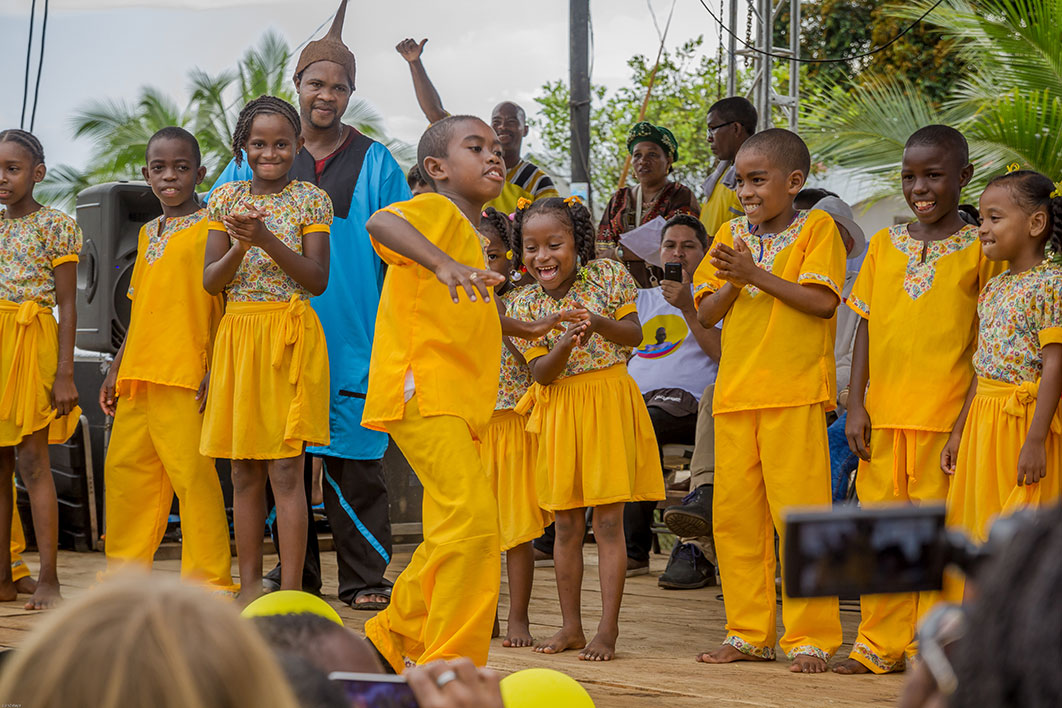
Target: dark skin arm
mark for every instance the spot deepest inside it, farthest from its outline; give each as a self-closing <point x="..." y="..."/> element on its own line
<point x="427" y="96"/>
<point x="309" y="268"/>
<point x="678" y="295"/>
<point x="223" y="258"/>
<point x="626" y="332"/>
<point x="64" y="392"/>
<point x="1032" y="461"/>
<point x="857" y="427"/>
<point x="546" y="368"/>
<point x="950" y="454"/>
<point x="538" y="328"/>
<point x="401" y="237"/>
<point x="715" y="306"/>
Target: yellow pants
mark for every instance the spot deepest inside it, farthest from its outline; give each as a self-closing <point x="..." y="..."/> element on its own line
<point x="443" y="603"/>
<point x="19" y="570"/>
<point x="153" y="453"/>
<point x="766" y="462"/>
<point x="904" y="467"/>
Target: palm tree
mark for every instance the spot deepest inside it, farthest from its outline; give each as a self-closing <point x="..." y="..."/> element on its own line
<point x="1009" y="106"/>
<point x="120" y="130"/>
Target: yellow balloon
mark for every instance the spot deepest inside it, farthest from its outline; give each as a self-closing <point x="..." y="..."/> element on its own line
<point x="291" y="602"/>
<point x="534" y="688"/>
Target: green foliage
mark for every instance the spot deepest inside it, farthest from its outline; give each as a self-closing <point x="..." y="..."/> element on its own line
<point x="686" y="83"/>
<point x="120" y="130"/>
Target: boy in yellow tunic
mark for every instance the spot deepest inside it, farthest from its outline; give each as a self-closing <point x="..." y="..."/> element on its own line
<point x="774" y="277"/>
<point x="156" y="388"/>
<point x="432" y="385"/>
<point x="917" y="296"/>
<point x="38" y="400"/>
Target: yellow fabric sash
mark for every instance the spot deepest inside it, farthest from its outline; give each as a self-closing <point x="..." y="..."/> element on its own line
<point x="24" y="379"/>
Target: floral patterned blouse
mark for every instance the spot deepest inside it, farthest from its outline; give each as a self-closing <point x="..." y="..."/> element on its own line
<point x="300" y="208"/>
<point x="515" y="377"/>
<point x="1020" y="314"/>
<point x="30" y="249"/>
<point x="603" y="287"/>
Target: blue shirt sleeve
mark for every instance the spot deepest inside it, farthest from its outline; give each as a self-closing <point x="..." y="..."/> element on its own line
<point x="231" y="173"/>
<point x="391" y="182"/>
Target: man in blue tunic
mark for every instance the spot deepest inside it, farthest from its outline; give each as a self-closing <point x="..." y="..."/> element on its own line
<point x="360" y="176"/>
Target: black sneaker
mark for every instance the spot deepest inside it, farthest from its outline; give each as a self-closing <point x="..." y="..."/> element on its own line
<point x="687" y="569"/>
<point x="693" y="517"/>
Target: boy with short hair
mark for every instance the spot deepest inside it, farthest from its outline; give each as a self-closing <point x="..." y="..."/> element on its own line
<point x="917" y="296"/>
<point x="774" y="276"/>
<point x="432" y="385"/>
<point x="156" y="388"/>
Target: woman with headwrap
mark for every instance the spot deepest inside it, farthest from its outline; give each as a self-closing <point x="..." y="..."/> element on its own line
<point x="653" y="150"/>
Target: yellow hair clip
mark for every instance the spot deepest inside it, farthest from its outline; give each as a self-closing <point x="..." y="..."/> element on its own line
<point x="1058" y="191"/>
<point x="523" y="203"/>
<point x="1013" y="167"/>
<point x="509" y="255"/>
<point x="574" y="199"/>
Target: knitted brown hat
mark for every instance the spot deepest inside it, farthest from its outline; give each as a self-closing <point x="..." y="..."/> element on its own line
<point x="330" y="48"/>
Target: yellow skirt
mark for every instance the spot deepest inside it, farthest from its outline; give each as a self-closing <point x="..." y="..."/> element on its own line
<point x="269" y="387"/>
<point x="509" y="455"/>
<point x="29" y="356"/>
<point x="596" y="444"/>
<point x="986" y="471"/>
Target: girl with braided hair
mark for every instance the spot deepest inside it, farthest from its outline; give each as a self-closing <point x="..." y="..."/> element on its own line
<point x="39" y="249"/>
<point x="268" y="250"/>
<point x="1006" y="448"/>
<point x="596" y="442"/>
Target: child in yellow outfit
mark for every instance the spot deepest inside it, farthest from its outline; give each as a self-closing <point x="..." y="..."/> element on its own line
<point x="917" y="296"/>
<point x="268" y="250"/>
<point x="774" y="277"/>
<point x="596" y="443"/>
<point x="1006" y="449"/>
<point x="433" y="382"/>
<point x="39" y="249"/>
<point x="156" y="388"/>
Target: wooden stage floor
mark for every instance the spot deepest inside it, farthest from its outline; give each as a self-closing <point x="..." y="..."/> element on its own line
<point x="661" y="632"/>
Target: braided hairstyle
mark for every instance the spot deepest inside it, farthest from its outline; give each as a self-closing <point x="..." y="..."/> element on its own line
<point x="27" y="140"/>
<point x="494" y="222"/>
<point x="1032" y="191"/>
<point x="570" y="210"/>
<point x="263" y="105"/>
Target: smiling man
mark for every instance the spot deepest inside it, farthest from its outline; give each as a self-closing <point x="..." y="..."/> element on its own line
<point x="730" y="123"/>
<point x="360" y="177"/>
<point x="523" y="178"/>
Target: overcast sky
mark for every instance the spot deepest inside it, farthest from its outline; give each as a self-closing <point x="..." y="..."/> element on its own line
<point x="479" y="53"/>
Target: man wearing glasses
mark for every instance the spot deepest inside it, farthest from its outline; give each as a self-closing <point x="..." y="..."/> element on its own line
<point x="730" y="123"/>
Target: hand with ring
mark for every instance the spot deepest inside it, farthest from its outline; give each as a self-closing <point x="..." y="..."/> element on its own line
<point x="454" y="684"/>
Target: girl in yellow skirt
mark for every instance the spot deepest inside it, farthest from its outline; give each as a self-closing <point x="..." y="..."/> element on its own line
<point x="596" y="442"/>
<point x="1006" y="448"/>
<point x="268" y="251"/>
<point x="38" y="400"/>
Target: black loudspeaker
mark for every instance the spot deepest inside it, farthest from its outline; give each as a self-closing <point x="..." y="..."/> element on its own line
<point x="110" y="216"/>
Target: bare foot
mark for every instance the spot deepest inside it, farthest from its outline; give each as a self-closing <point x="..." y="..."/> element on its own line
<point x="602" y="647"/>
<point x="518" y="635"/>
<point x="850" y="667"/>
<point x="45" y="597"/>
<point x="808" y="664"/>
<point x="726" y="654"/>
<point x="8" y="591"/>
<point x="26" y="585"/>
<point x="563" y="640"/>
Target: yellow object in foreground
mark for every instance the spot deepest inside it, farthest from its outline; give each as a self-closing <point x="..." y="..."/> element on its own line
<point x="291" y="602"/>
<point x="536" y="688"/>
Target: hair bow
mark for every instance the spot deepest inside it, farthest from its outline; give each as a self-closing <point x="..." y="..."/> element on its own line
<point x="523" y="203"/>
<point x="1013" y="167"/>
<point x="1058" y="191"/>
<point x="509" y="255"/>
<point x="573" y="200"/>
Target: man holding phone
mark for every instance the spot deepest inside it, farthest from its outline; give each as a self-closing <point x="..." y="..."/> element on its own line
<point x="674" y="367"/>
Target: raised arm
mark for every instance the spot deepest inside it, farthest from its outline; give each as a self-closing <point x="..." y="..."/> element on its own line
<point x="427" y="96"/>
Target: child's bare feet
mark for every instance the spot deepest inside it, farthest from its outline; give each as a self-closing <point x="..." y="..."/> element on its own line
<point x="850" y="667"/>
<point x="727" y="654"/>
<point x="808" y="664"/>
<point x="26" y="585"/>
<point x="602" y="647"/>
<point x="563" y="640"/>
<point x="8" y="591"/>
<point x="45" y="597"/>
<point x="517" y="635"/>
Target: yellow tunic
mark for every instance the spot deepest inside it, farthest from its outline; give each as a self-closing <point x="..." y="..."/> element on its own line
<point x="452" y="350"/>
<point x="722" y="206"/>
<point x="922" y="319"/>
<point x="31" y="247"/>
<point x="773" y="354"/>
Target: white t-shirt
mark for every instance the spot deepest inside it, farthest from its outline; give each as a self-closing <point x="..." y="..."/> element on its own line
<point x="669" y="355"/>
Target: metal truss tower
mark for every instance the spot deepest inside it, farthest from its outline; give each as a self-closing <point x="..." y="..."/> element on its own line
<point x="763" y="16"/>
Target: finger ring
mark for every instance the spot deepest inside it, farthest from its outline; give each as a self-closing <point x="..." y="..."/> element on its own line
<point x="474" y="276"/>
<point x="446" y="677"/>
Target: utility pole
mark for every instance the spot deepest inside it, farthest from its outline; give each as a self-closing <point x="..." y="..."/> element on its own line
<point x="579" y="80"/>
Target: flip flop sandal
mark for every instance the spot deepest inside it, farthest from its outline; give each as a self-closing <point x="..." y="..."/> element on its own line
<point x="374" y="606"/>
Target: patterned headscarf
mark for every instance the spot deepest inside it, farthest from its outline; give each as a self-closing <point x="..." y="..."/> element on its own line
<point x="655" y="134"/>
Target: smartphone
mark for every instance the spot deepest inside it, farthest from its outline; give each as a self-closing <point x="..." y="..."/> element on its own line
<point x="673" y="271"/>
<point x="375" y="690"/>
<point x="851" y="551"/>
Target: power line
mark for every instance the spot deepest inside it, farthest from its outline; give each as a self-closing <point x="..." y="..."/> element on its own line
<point x="838" y="60"/>
<point x="25" y="81"/>
<point x="40" y="66"/>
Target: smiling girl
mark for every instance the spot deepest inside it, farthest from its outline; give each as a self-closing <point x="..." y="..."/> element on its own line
<point x="267" y="250"/>
<point x="596" y="442"/>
